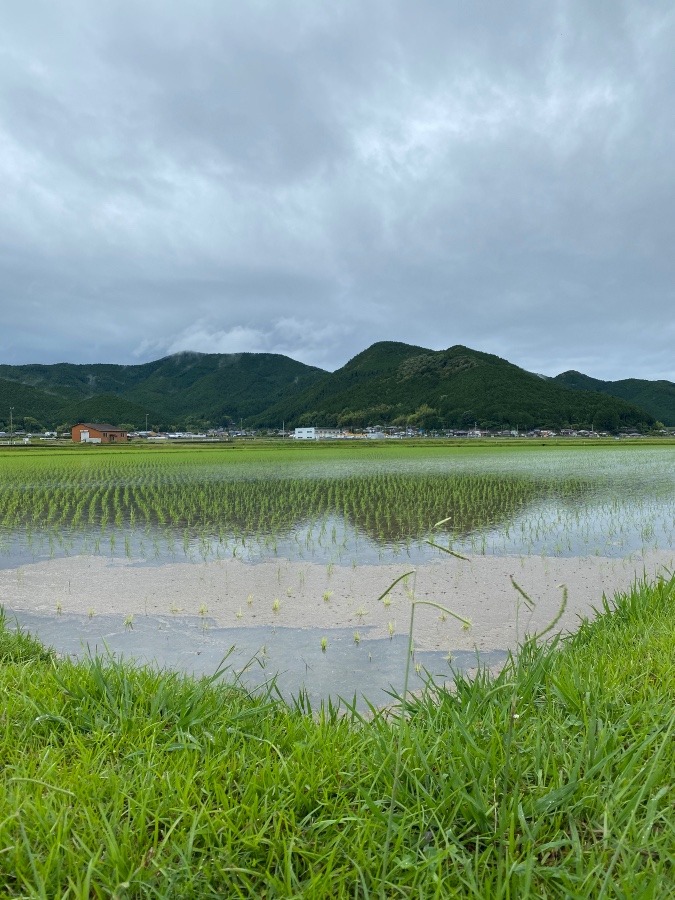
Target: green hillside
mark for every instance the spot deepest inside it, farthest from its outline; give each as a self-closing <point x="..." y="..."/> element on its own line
<point x="393" y="383"/>
<point x="656" y="397"/>
<point x="69" y="381"/>
<point x="188" y="388"/>
<point x="389" y="383"/>
<point x="220" y="388"/>
<point x="108" y="408"/>
<point x="29" y="406"/>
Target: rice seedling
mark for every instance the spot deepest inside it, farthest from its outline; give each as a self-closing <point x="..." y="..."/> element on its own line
<point x="144" y="503"/>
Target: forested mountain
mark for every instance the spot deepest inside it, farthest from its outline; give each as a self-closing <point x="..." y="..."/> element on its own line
<point x="394" y="383"/>
<point x="389" y="383"/>
<point x="656" y="397"/>
<point x="107" y="408"/>
<point x="195" y="389"/>
<point x="24" y="401"/>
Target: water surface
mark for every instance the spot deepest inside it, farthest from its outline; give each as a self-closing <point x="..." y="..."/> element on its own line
<point x="360" y="507"/>
<point x="291" y="658"/>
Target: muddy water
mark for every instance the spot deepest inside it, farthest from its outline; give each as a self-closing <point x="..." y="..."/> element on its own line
<point x="370" y="669"/>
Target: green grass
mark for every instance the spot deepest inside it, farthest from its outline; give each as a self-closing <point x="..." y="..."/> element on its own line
<point x="552" y="779"/>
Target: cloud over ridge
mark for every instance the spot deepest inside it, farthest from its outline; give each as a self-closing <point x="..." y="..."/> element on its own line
<point x="307" y="179"/>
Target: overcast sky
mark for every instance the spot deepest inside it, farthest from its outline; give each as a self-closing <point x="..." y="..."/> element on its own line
<point x="309" y="177"/>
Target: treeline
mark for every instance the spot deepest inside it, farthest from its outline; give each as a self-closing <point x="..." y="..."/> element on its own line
<point x="602" y="416"/>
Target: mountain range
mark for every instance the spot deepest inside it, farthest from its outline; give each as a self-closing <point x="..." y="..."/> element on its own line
<point x="389" y="383"/>
<point x="657" y="397"/>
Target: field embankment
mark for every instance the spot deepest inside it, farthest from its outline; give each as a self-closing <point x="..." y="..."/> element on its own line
<point x="552" y="779"/>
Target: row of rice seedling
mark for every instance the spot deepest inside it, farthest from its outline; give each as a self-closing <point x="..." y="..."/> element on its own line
<point x="385" y="507"/>
<point x="210" y="505"/>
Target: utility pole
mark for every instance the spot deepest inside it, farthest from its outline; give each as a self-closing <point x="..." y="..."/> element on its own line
<point x="11" y="426"/>
<point x="146" y="424"/>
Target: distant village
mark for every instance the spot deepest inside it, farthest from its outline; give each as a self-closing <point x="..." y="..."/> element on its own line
<point x="105" y="433"/>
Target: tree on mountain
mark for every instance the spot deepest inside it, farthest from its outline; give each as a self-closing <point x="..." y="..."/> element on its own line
<point x="468" y="418"/>
<point x="426" y="417"/>
<point x="606" y="418"/>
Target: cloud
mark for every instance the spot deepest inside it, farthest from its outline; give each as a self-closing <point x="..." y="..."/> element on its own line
<point x="236" y="340"/>
<point x="309" y="178"/>
<point x="304" y="340"/>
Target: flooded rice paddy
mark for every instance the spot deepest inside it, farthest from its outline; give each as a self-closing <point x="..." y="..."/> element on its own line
<point x="311" y="511"/>
<point x="370" y="507"/>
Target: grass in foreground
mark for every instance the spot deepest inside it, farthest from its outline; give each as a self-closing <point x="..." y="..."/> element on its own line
<point x="553" y="779"/>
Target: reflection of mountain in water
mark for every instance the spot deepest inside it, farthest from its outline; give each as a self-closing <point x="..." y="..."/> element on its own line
<point x="469" y="503"/>
<point x="386" y="507"/>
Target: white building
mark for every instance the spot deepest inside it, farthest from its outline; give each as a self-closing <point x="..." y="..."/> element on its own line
<point x="317" y="434"/>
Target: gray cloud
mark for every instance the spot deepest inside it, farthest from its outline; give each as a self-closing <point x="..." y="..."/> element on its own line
<point x="308" y="178"/>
